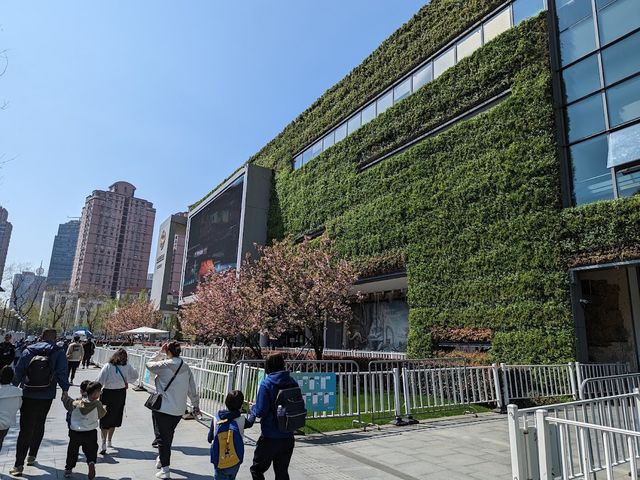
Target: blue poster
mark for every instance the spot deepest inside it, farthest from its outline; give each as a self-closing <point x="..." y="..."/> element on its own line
<point x="318" y="390"/>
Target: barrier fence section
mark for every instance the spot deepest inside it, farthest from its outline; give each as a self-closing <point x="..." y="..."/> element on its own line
<point x="621" y="411"/>
<point x="522" y="382"/>
<point x="609" y="385"/>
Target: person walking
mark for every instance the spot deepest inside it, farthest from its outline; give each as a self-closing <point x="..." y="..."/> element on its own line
<point x="174" y="380"/>
<point x="274" y="446"/>
<point x="40" y="367"/>
<point x="115" y="377"/>
<point x="75" y="352"/>
<point x="7" y="351"/>
<point x="10" y="401"/>
<point x="89" y="349"/>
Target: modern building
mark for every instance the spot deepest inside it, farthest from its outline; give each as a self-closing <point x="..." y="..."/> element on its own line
<point x="165" y="290"/>
<point x="27" y="289"/>
<point x="482" y="169"/>
<point x="58" y="308"/>
<point x="114" y="242"/>
<point x="5" y="238"/>
<point x="62" y="255"/>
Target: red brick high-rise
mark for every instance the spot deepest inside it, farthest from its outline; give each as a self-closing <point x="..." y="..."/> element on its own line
<point x="114" y="243"/>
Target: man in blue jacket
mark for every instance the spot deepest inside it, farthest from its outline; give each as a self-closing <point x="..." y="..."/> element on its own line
<point x="38" y="379"/>
<point x="273" y="445"/>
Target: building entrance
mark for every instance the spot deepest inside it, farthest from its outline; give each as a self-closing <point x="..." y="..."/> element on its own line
<point x="607" y="315"/>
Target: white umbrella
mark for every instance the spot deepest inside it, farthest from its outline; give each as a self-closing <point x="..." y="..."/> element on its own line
<point x="145" y="331"/>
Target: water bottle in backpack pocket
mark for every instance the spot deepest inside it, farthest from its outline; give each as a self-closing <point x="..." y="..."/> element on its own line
<point x="291" y="412"/>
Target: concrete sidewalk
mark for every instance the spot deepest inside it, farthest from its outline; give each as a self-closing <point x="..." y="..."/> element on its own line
<point x="449" y="449"/>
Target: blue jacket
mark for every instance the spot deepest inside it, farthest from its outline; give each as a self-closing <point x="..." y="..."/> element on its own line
<point x="230" y="415"/>
<point x="265" y="404"/>
<point x="59" y="365"/>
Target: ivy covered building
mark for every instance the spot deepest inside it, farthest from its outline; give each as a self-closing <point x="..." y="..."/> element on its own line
<point x="482" y="168"/>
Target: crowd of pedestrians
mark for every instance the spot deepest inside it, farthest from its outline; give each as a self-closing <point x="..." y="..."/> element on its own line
<point x="30" y="386"/>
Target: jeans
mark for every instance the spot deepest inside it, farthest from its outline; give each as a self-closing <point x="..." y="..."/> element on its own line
<point x="33" y="415"/>
<point x="164" y="427"/>
<point x="276" y="450"/>
<point x="3" y="434"/>
<point x="73" y="366"/>
<point x="86" y="360"/>
<point x="89" y="443"/>
<point x="226" y="473"/>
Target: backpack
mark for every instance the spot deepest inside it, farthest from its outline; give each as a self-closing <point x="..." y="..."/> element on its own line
<point x="39" y="373"/>
<point x="291" y="413"/>
<point x="227" y="449"/>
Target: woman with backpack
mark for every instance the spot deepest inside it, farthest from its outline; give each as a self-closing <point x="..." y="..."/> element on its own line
<point x="115" y="377"/>
<point x="174" y="382"/>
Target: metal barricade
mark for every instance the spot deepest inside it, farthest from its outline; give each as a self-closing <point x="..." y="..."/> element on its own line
<point x="609" y="385"/>
<point x="212" y="387"/>
<point x="523" y="382"/>
<point x="621" y="411"/>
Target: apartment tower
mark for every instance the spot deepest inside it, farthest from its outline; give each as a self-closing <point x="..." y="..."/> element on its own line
<point x="114" y="242"/>
<point x="62" y="255"/>
<point x="5" y="236"/>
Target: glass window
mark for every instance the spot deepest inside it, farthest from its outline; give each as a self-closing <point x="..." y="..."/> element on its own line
<point x="369" y="113"/>
<point x="422" y="76"/>
<point x="307" y="155"/>
<point x="353" y="124"/>
<point x="297" y="162"/>
<point x="469" y="44"/>
<point x="624" y="102"/>
<point x="591" y="177"/>
<point x="622" y="59"/>
<point x="585" y="118"/>
<point x="316" y="149"/>
<point x="328" y="141"/>
<point x="628" y="181"/>
<point x="523" y="9"/>
<point x="617" y="18"/>
<point x="581" y="79"/>
<point x="577" y="41"/>
<point x="384" y="102"/>
<point x="624" y="146"/>
<point x="498" y="24"/>
<point x="401" y="91"/>
<point x="444" y="61"/>
<point x="570" y="12"/>
<point x="341" y="132"/>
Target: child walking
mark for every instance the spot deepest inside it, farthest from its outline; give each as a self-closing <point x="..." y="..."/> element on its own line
<point x="86" y="413"/>
<point x="10" y="402"/>
<point x="226" y="437"/>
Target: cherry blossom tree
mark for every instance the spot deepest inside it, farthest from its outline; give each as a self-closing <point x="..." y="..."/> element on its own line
<point x="138" y="313"/>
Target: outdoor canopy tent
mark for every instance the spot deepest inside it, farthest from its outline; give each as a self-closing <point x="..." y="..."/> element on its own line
<point x="145" y="331"/>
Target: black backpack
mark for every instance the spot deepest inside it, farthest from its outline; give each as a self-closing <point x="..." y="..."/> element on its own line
<point x="39" y="374"/>
<point x="291" y="413"/>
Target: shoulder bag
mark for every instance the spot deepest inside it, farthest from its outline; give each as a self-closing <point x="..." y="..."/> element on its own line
<point x="154" y="402"/>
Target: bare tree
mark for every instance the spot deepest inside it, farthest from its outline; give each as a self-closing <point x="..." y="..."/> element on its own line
<point x="59" y="305"/>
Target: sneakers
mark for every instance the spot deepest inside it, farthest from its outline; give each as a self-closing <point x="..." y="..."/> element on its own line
<point x="158" y="463"/>
<point x="16" y="471"/>
<point x="109" y="445"/>
<point x="31" y="459"/>
<point x="67" y="473"/>
<point x="154" y="444"/>
<point x="163" y="473"/>
<point x="92" y="471"/>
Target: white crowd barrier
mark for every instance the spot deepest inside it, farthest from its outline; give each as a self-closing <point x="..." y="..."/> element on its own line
<point x="522" y="382"/>
<point x="606" y="386"/>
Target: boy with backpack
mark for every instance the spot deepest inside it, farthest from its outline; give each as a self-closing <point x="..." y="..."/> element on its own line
<point x="10" y="401"/>
<point x="226" y="437"/>
<point x="86" y="413"/>
<point x="281" y="409"/>
<point x="41" y="365"/>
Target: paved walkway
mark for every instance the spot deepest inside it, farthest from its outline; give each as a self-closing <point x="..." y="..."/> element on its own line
<point x="451" y="449"/>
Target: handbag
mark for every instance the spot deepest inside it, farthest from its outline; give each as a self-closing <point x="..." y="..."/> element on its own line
<point x="154" y="402"/>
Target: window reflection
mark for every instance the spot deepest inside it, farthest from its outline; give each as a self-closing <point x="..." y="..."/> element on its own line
<point x="585" y="118"/>
<point x="498" y="24"/>
<point x="369" y="113"/>
<point x="570" y="12"/>
<point x="523" y="9"/>
<point x="341" y="132"/>
<point x="384" y="102"/>
<point x="402" y="90"/>
<point x="622" y="59"/>
<point x="443" y="62"/>
<point x="591" y="177"/>
<point x="469" y="44"/>
<point x="624" y="102"/>
<point x="581" y="79"/>
<point x="422" y="77"/>
<point x="577" y="41"/>
<point x="615" y="18"/>
<point x="628" y="181"/>
<point x="353" y="124"/>
<point x="328" y="141"/>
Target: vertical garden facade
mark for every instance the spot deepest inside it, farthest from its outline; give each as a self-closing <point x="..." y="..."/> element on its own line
<point x="443" y="166"/>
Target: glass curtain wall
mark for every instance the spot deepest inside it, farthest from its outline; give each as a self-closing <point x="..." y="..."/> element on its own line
<point x="599" y="41"/>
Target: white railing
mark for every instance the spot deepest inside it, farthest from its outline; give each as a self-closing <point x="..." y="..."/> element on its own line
<point x="571" y="449"/>
<point x="608" y="386"/>
<point x="592" y="370"/>
<point x="621" y="411"/>
<point x="212" y="388"/>
<point x="522" y="382"/>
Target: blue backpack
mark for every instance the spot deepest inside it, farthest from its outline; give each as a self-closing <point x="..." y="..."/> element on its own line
<point x="227" y="449"/>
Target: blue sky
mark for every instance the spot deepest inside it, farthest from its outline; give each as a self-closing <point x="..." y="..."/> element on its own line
<point x="170" y="96"/>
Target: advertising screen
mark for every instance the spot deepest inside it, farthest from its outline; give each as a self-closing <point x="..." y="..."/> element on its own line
<point x="213" y="237"/>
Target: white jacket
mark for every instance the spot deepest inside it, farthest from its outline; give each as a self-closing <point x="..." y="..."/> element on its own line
<point x="112" y="380"/>
<point x="174" y="401"/>
<point x="10" y="403"/>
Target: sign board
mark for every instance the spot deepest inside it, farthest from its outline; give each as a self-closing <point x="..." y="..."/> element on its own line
<point x="318" y="390"/>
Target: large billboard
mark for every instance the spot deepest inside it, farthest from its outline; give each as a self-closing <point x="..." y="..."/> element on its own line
<point x="213" y="238"/>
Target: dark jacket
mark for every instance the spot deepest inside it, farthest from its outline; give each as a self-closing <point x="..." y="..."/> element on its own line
<point x="243" y="423"/>
<point x="265" y="407"/>
<point x="89" y="348"/>
<point x="59" y="365"/>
